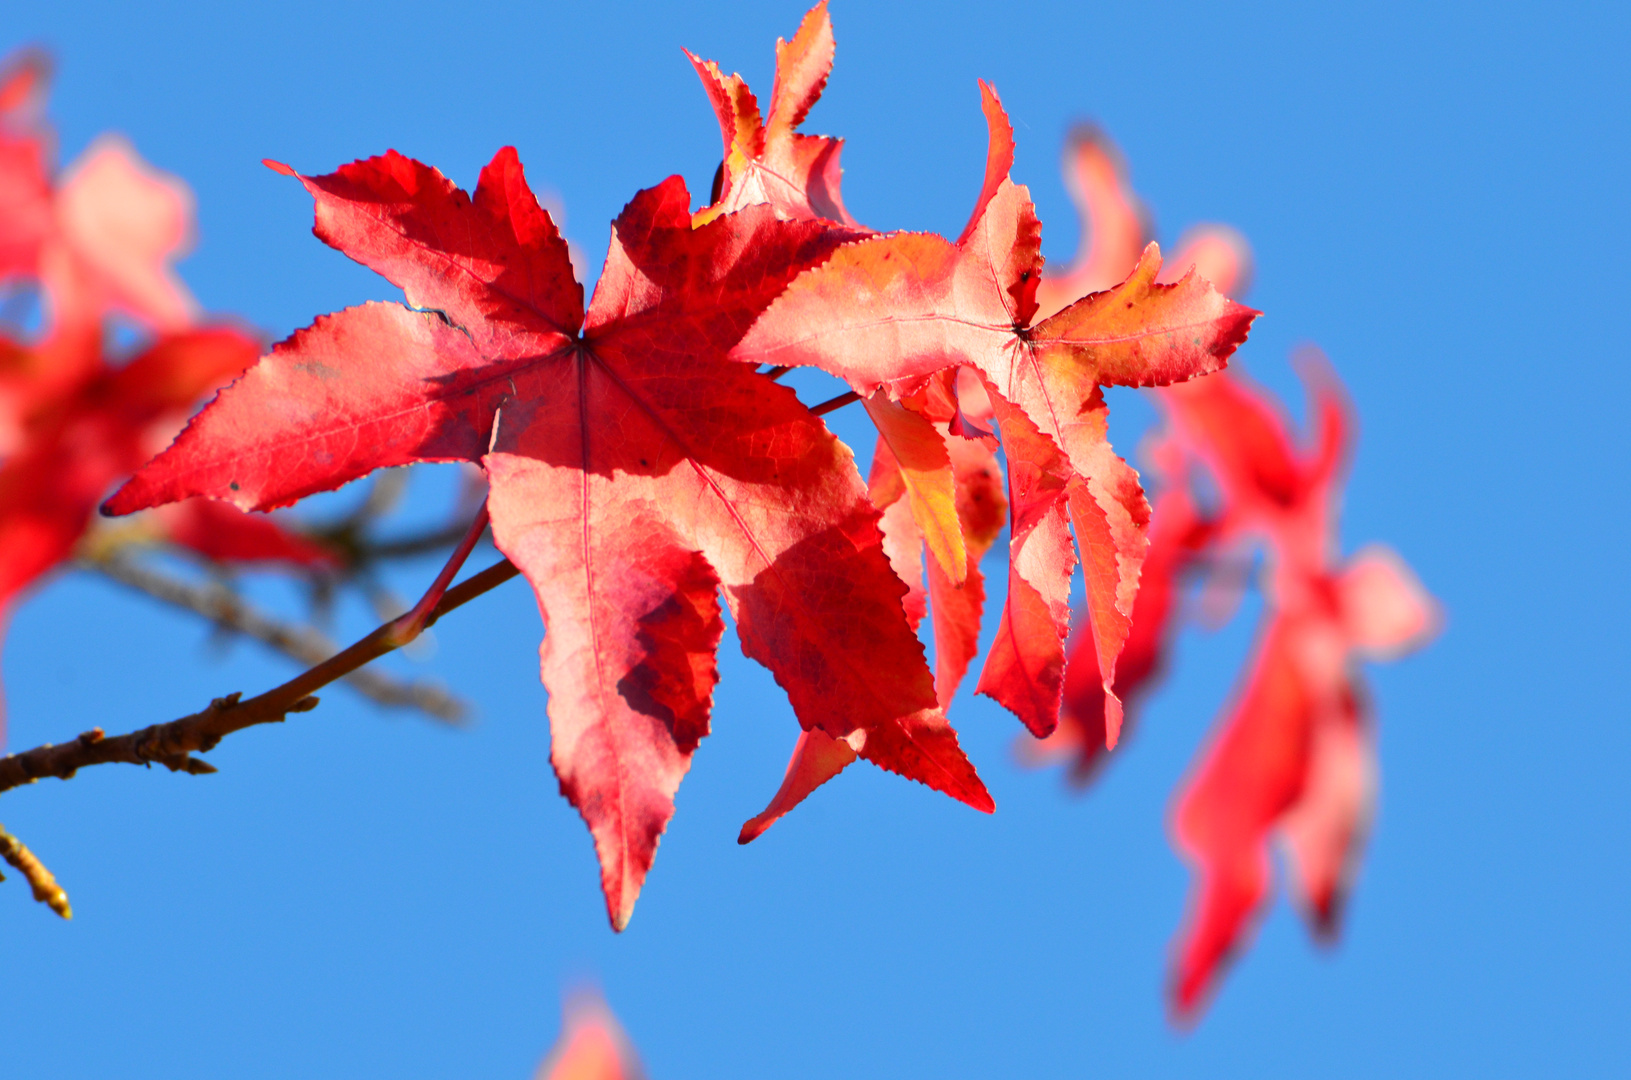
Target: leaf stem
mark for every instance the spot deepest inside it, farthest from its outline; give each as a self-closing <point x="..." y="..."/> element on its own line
<point x="409" y="626"/>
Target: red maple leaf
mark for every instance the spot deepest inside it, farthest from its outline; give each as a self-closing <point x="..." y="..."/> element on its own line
<point x="635" y="472"/>
<point x="892" y="313"/>
<point x="798" y="176"/>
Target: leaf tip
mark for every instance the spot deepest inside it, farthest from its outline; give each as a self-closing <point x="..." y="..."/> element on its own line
<point x="1184" y="1009"/>
<point x="1113" y="715"/>
<point x="122" y="502"/>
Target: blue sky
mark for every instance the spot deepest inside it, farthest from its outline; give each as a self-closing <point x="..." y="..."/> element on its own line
<point x="1435" y="195"/>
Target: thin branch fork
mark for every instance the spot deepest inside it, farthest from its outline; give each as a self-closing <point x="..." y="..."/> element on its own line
<point x="173" y="744"/>
<point x="303" y="643"/>
<point x="349" y="536"/>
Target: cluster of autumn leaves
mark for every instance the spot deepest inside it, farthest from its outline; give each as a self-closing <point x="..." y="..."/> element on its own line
<point x="643" y="462"/>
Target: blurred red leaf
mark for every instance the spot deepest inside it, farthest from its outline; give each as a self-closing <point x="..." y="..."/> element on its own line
<point x="592" y="1045"/>
<point x="76" y="445"/>
<point x="222" y="533"/>
<point x="73" y="421"/>
<point x="1294" y="757"/>
<point x="25" y="166"/>
<point x="1114" y="223"/>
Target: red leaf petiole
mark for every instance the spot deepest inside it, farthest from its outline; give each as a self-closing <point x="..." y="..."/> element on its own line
<point x="408" y="626"/>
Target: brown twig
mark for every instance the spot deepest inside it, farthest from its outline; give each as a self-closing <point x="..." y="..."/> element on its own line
<point x="349" y="535"/>
<point x="173" y="744"/>
<point x="303" y="643"/>
<point x="846" y="398"/>
<point x="409" y="546"/>
<point x="41" y="880"/>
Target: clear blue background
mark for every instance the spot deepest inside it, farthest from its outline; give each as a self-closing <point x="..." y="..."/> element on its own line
<point x="1436" y="194"/>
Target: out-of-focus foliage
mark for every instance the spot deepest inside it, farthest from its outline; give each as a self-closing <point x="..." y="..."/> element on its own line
<point x="1294" y="757"/>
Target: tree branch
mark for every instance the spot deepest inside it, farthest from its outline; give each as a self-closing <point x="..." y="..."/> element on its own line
<point x="847" y="398"/>
<point x="173" y="744"/>
<point x="41" y="880"/>
<point x="302" y="643"/>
